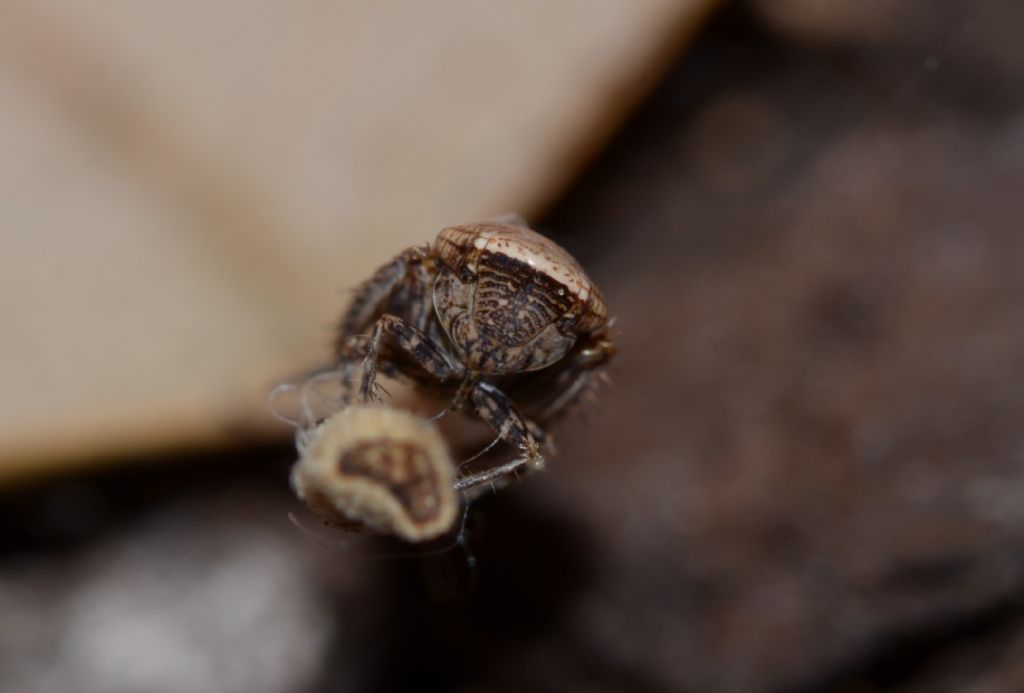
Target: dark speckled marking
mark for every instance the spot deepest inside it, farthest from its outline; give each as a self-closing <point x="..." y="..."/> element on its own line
<point x="402" y="468"/>
<point x="514" y="301"/>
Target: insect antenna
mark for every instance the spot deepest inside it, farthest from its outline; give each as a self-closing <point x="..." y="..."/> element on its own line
<point x="480" y="454"/>
<point x="320" y="541"/>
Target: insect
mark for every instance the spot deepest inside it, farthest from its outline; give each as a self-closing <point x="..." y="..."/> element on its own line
<point x="378" y="467"/>
<point x="495" y="320"/>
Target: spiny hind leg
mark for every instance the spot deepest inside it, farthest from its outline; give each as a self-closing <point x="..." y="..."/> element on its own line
<point x="403" y="286"/>
<point x="371" y="298"/>
<point x="573" y="381"/>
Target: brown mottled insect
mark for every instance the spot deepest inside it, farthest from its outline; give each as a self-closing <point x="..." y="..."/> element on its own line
<point x="494" y="319"/>
<point x="379" y="467"/>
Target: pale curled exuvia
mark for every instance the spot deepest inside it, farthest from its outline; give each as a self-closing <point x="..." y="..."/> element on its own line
<point x="379" y="467"/>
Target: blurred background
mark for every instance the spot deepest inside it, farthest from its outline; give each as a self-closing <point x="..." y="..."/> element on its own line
<point x="807" y="475"/>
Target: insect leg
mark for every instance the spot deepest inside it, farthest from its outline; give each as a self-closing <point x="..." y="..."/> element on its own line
<point x="550" y="396"/>
<point x="410" y="340"/>
<point x="370" y="299"/>
<point x="496" y="411"/>
<point x="401" y="287"/>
